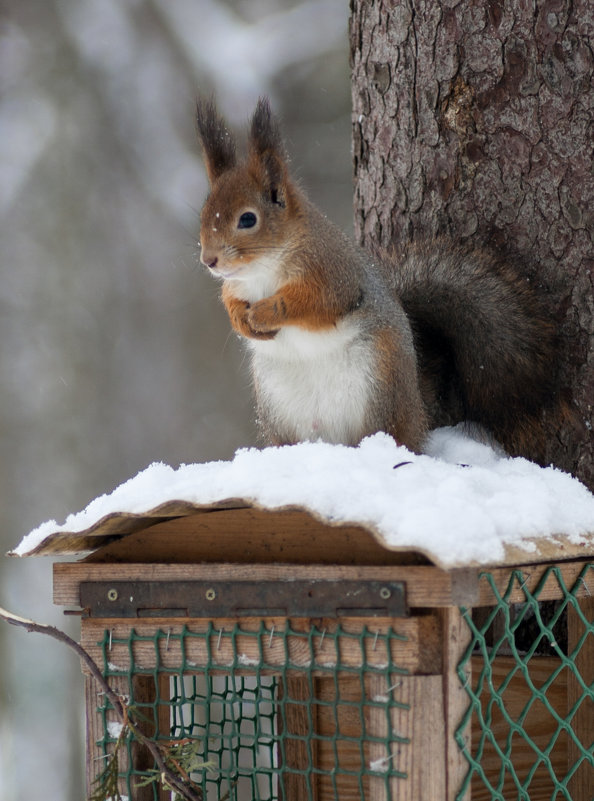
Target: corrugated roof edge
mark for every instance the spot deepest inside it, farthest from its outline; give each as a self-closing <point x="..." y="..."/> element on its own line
<point x="120" y="524"/>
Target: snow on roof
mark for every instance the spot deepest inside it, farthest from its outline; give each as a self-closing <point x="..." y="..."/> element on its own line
<point x="461" y="503"/>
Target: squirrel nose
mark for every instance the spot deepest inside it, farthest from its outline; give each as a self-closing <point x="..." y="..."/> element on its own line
<point x="209" y="261"/>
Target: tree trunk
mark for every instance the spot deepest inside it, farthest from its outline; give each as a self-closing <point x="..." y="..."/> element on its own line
<point x="475" y="119"/>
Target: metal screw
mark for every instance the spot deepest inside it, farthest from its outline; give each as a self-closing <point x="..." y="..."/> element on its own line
<point x="112" y="594"/>
<point x="210" y="594"/>
<point x="385" y="593"/>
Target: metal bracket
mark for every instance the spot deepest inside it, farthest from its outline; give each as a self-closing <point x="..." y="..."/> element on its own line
<point x="208" y="599"/>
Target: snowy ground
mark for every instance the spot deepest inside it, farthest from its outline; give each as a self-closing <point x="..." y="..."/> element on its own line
<point x="460" y="502"/>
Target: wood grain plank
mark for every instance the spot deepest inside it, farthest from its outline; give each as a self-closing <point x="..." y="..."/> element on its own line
<point x="418" y="651"/>
<point x="253" y="535"/>
<point x="144" y="694"/>
<point x="422" y="759"/>
<point x="378" y="725"/>
<point x="300" y="751"/>
<point x="425" y="586"/>
<point x="96" y="760"/>
<point x="456" y="638"/>
<point x="338" y="716"/>
<point x="531" y="578"/>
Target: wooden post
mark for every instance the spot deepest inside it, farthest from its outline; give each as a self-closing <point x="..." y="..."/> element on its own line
<point x="582" y="783"/>
<point x="342" y="722"/>
<point x="152" y="723"/>
<point x="420" y="722"/>
<point x="96" y="759"/>
<point x="379" y="725"/>
<point x="423" y="758"/>
<point x="144" y="694"/>
<point x="298" y="754"/>
<point x="456" y="637"/>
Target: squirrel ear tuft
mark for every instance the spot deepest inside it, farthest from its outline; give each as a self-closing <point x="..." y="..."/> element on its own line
<point x="265" y="131"/>
<point x="267" y="149"/>
<point x="218" y="144"/>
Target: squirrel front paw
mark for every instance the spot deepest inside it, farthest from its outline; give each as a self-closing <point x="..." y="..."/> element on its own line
<point x="239" y="314"/>
<point x="266" y="315"/>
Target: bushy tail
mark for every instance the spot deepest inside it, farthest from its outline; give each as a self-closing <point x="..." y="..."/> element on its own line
<point x="487" y="349"/>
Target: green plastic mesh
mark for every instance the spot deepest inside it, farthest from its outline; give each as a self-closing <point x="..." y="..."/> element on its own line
<point x="266" y="731"/>
<point x="521" y="713"/>
<point x="310" y="730"/>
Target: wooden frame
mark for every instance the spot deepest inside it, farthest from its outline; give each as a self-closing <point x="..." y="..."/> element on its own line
<point x="436" y="637"/>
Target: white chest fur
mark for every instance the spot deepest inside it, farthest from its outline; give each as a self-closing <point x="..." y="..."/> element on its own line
<point x="315" y="385"/>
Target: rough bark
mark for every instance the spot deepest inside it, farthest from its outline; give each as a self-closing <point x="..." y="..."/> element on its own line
<point x="476" y="119"/>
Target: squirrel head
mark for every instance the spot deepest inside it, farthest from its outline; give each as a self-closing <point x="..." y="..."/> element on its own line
<point x="250" y="215"/>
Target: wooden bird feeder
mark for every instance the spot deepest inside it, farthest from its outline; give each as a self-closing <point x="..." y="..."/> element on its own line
<point x="309" y="661"/>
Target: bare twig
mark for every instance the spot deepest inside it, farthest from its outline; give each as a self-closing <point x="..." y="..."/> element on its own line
<point x="57" y="634"/>
<point x="121" y="710"/>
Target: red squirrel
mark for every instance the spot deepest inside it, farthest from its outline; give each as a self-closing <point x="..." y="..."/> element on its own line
<point x="344" y="343"/>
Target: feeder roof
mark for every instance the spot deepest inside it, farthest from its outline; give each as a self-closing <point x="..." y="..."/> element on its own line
<point x="460" y="504"/>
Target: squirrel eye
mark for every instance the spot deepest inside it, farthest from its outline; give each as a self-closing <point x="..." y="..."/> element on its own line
<point x="247" y="220"/>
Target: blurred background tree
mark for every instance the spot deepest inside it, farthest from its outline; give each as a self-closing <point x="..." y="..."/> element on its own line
<point x="115" y="349"/>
